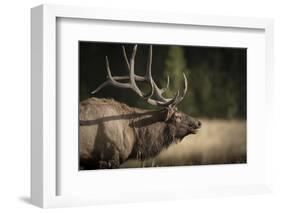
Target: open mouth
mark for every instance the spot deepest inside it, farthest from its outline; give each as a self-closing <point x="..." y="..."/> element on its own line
<point x="193" y="131"/>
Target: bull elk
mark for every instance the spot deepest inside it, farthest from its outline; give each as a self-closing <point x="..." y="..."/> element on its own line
<point x="112" y="132"/>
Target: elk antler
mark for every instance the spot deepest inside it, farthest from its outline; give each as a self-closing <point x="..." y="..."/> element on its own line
<point x="155" y="90"/>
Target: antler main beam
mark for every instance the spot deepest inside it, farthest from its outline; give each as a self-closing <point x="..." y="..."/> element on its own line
<point x="155" y="90"/>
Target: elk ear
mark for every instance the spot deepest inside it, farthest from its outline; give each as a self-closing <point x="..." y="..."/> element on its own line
<point x="167" y="113"/>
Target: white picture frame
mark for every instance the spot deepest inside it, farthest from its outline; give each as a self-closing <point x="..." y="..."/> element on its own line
<point x="44" y="150"/>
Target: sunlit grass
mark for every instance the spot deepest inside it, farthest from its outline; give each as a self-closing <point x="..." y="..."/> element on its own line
<point x="217" y="142"/>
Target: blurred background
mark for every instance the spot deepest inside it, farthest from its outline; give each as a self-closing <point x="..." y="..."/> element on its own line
<point x="216" y="95"/>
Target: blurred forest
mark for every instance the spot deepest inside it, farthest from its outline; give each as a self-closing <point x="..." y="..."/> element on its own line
<point x="216" y="76"/>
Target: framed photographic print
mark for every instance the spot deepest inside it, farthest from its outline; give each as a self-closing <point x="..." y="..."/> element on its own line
<point x="130" y="106"/>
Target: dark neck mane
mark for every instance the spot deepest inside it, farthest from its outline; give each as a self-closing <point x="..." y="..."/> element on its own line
<point x="152" y="136"/>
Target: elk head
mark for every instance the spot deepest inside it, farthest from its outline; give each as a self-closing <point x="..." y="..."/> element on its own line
<point x="178" y="122"/>
<point x="181" y="124"/>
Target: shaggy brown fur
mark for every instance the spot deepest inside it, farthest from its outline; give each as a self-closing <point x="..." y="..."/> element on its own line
<point x="112" y="132"/>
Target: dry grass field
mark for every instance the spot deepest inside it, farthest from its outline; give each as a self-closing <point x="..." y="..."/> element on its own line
<point x="217" y="142"/>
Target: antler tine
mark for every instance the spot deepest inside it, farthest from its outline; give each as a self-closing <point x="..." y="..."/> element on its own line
<point x="132" y="72"/>
<point x="125" y="57"/>
<point x="111" y="80"/>
<point x="162" y="103"/>
<point x="137" y="77"/>
<point x="148" y="75"/>
<point x="185" y="85"/>
<point x="177" y="98"/>
<point x="167" y="85"/>
<point x="100" y="87"/>
<point x="158" y="91"/>
<point x="184" y="91"/>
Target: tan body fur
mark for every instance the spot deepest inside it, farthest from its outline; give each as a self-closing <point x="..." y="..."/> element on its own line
<point x="112" y="132"/>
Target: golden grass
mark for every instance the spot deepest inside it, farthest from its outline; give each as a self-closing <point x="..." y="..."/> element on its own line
<point x="217" y="142"/>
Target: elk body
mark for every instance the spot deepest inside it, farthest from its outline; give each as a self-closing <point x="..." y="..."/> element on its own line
<point x="112" y="132"/>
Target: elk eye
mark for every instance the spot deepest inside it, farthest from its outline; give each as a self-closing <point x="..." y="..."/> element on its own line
<point x="178" y="119"/>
